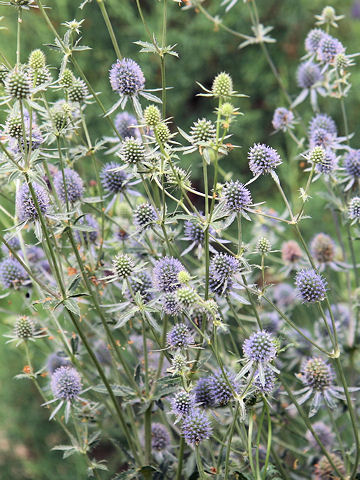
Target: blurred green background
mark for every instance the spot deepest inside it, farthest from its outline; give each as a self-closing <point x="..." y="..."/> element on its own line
<point x="26" y="436"/>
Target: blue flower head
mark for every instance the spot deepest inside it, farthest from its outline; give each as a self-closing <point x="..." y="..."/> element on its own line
<point x="126" y="77"/>
<point x="311" y="286"/>
<point x="263" y="159"/>
<point x="66" y="383"/>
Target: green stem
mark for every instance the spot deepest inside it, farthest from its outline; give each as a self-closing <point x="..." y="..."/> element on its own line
<point x="228" y="449"/>
<point x="199" y="464"/>
<point x="180" y="458"/>
<point x="109" y="28"/>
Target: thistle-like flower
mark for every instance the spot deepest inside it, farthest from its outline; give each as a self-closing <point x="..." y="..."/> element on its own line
<point x="132" y="151"/>
<point x="203" y="393"/>
<point x="323" y="121"/>
<point x="144" y="216"/>
<point x="141" y="283"/>
<point x="263" y="159"/>
<point x="25" y="204"/>
<point x="222" y="86"/>
<point x="267" y="387"/>
<point x="12" y="273"/>
<point x="354" y="209"/>
<point x="313" y="39"/>
<point x="328" y="48"/>
<point x="179" y="336"/>
<point x="291" y="253"/>
<point x="352" y="167"/>
<point x="160" y="437"/>
<point x="17" y="84"/>
<point x="170" y="304"/>
<point x="66" y="386"/>
<point x="72" y="189"/>
<point x="123" y="266"/>
<point x="113" y="179"/>
<point x="283" y="119"/>
<point x="311" y="286"/>
<point x="323" y="249"/>
<point x="202" y="132"/>
<point x="24" y="328"/>
<point x="222" y="389"/>
<point x="182" y="403"/>
<point x="237" y="198"/>
<point x="78" y="91"/>
<point x="126" y="77"/>
<point x="165" y="274"/>
<point x="260" y="350"/>
<point x="66" y="383"/>
<point x="196" y="427"/>
<point x="318" y="378"/>
<point x="308" y="75"/>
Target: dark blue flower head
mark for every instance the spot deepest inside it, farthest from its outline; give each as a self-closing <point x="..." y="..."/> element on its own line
<point x="12" y="273"/>
<point x="223" y="266"/>
<point x="269" y="381"/>
<point x="196" y="427"/>
<point x="182" y="403"/>
<point x="203" y="393"/>
<point x="87" y="236"/>
<point x="194" y="232"/>
<point x="311" y="286"/>
<point x="313" y="39"/>
<point x="220" y="287"/>
<point x="142" y="283"/>
<point x="324" y="121"/>
<point x="25" y="204"/>
<point x="124" y="123"/>
<point x="352" y="163"/>
<point x="66" y="383"/>
<point x="328" y="48"/>
<point x="170" y="304"/>
<point x="113" y="181"/>
<point x="179" y="336"/>
<point x="263" y="159"/>
<point x="260" y="347"/>
<point x="283" y="119"/>
<point x="321" y="138"/>
<point x="126" y="77"/>
<point x="237" y="196"/>
<point x="160" y="438"/>
<point x="308" y="74"/>
<point x="221" y="389"/>
<point x="165" y="274"/>
<point x="73" y="188"/>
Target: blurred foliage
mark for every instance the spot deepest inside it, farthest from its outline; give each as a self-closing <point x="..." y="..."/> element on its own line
<point x="25" y="440"/>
